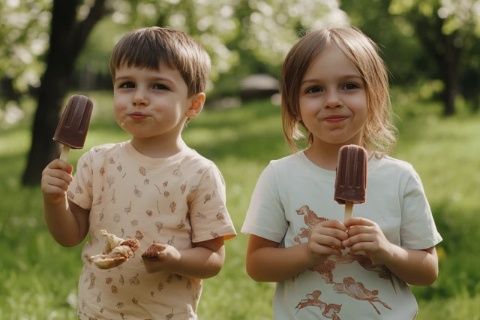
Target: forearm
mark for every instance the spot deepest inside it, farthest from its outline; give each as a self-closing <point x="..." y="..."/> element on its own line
<point x="415" y="267"/>
<point x="196" y="262"/>
<point x="277" y="264"/>
<point x="199" y="262"/>
<point x="62" y="223"/>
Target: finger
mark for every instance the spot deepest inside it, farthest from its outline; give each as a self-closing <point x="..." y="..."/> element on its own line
<point x="323" y="250"/>
<point x="54" y="190"/>
<point x="59" y="181"/>
<point x="331" y="232"/>
<point x="57" y="173"/>
<point x="158" y="248"/>
<point x="61" y="165"/>
<point x="360" y="238"/>
<point x="363" y="248"/>
<point x="326" y="240"/>
<point x="358" y="221"/>
<point x="354" y="230"/>
<point x="333" y="224"/>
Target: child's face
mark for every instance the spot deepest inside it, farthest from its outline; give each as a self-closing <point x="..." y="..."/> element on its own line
<point x="333" y="100"/>
<point x="151" y="103"/>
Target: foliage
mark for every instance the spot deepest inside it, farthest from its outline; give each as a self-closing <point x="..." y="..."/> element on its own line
<point x="24" y="34"/>
<point x="39" y="277"/>
<point x="459" y="15"/>
<point x="402" y="53"/>
<point x="449" y="32"/>
<point x="264" y="28"/>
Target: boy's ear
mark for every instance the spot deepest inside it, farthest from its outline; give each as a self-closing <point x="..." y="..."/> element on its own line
<point x="196" y="105"/>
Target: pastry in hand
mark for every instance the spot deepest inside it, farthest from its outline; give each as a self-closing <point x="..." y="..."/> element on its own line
<point x="116" y="252"/>
<point x="153" y="251"/>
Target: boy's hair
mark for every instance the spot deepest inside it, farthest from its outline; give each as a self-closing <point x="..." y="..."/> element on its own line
<point x="378" y="133"/>
<point x="153" y="47"/>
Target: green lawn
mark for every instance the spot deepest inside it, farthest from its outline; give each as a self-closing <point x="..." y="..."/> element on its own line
<point x="38" y="277"/>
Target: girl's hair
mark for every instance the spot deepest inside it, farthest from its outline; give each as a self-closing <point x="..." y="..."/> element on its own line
<point x="154" y="46"/>
<point x="378" y="132"/>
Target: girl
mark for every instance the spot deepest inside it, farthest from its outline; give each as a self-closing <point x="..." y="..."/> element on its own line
<point x="335" y="88"/>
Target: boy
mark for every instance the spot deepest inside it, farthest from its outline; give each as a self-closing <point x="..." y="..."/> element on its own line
<point x="152" y="188"/>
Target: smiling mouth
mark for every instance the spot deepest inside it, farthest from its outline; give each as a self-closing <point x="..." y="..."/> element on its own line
<point x="335" y="119"/>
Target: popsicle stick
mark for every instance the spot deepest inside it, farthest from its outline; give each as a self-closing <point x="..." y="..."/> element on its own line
<point x="64" y="153"/>
<point x="348" y="210"/>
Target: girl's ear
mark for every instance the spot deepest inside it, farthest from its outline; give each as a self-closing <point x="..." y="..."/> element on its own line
<point x="196" y="105"/>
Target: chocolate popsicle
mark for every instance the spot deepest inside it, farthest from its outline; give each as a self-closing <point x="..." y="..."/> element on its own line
<point x="73" y="125"/>
<point x="351" y="179"/>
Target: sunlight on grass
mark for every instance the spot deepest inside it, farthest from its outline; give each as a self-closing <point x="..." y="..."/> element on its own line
<point x="458" y="308"/>
<point x="14" y="142"/>
<point x="444" y="142"/>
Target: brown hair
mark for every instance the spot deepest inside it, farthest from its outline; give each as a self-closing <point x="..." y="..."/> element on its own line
<point x="378" y="133"/>
<point x="153" y="46"/>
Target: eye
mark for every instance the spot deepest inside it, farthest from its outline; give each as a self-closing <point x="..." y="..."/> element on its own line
<point x="313" y="89"/>
<point x="126" y="85"/>
<point x="160" y="86"/>
<point x="350" y="86"/>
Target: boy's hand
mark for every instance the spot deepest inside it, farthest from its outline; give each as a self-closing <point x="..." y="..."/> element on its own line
<point x="366" y="236"/>
<point x="160" y="256"/>
<point x="55" y="180"/>
<point x="326" y="239"/>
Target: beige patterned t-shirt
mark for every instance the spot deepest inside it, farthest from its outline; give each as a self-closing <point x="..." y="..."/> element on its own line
<point x="177" y="200"/>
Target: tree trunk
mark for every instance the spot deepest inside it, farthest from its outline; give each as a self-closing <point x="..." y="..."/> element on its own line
<point x="449" y="68"/>
<point x="450" y="80"/>
<point x="445" y="53"/>
<point x="67" y="38"/>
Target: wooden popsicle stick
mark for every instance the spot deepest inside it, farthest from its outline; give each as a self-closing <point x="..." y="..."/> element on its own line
<point x="64" y="152"/>
<point x="348" y="210"/>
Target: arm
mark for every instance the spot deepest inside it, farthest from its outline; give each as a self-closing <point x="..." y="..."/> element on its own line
<point x="266" y="261"/>
<point x="67" y="222"/>
<point x="416" y="267"/>
<point x="204" y="260"/>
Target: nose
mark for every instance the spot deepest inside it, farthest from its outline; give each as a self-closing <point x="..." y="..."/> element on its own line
<point x="332" y="99"/>
<point x="140" y="97"/>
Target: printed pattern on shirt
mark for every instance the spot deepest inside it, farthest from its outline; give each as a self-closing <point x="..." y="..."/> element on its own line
<point x="171" y="203"/>
<point x="348" y="285"/>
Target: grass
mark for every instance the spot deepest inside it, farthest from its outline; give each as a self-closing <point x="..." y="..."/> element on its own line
<point x="38" y="277"/>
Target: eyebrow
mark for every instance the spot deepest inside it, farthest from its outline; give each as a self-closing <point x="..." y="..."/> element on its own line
<point x="345" y="77"/>
<point x="152" y="79"/>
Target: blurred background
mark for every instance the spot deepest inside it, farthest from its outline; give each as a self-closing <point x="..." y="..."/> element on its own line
<point x="50" y="49"/>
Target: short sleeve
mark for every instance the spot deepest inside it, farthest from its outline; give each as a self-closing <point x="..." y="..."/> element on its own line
<point x="265" y="216"/>
<point x="80" y="190"/>
<point x="209" y="216"/>
<point x="418" y="230"/>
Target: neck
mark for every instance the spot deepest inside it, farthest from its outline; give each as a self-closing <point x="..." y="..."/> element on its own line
<point x="324" y="155"/>
<point x="158" y="148"/>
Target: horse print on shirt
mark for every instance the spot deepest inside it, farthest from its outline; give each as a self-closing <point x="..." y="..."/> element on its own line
<point x="348" y="285"/>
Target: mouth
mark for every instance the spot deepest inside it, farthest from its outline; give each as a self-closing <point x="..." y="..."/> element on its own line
<point x="335" y="119"/>
<point x="137" y="115"/>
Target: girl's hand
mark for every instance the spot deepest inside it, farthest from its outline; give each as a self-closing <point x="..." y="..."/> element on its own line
<point x="55" y="180"/>
<point x="326" y="239"/>
<point x="366" y="237"/>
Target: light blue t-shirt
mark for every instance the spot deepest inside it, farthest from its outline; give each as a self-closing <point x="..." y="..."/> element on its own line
<point x="293" y="194"/>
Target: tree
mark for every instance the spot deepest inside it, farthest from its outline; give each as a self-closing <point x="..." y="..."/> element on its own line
<point x="272" y="28"/>
<point x="24" y="39"/>
<point x="68" y="34"/>
<point x="447" y="30"/>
